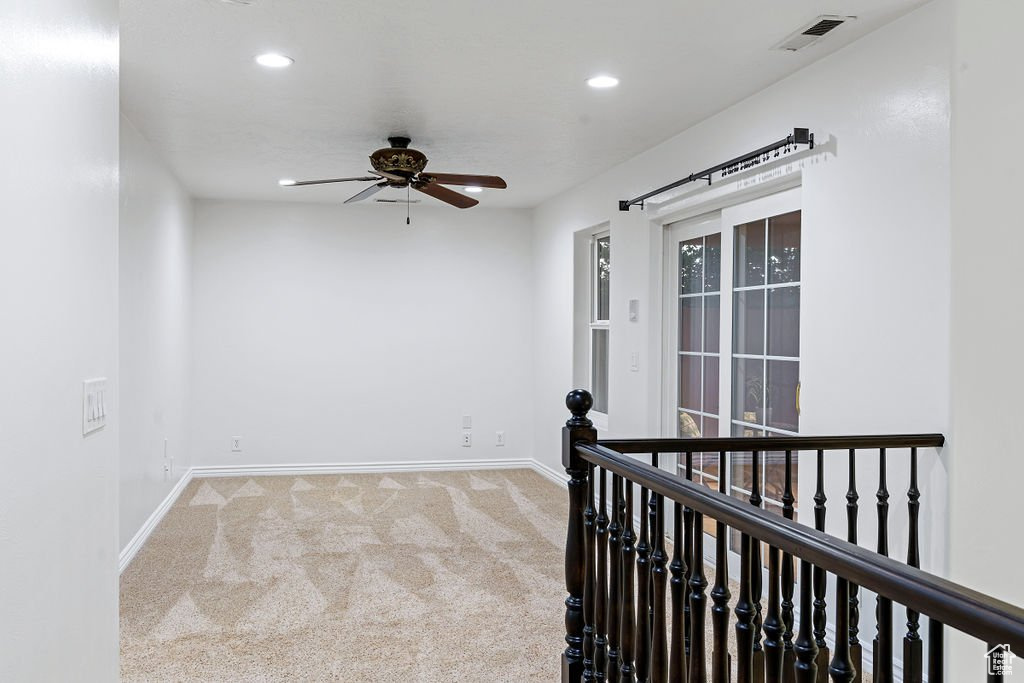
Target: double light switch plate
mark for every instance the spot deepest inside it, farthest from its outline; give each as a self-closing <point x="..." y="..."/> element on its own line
<point x="94" y="404"/>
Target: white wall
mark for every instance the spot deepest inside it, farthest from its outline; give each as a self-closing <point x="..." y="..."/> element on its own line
<point x="337" y="334"/>
<point x="987" y="141"/>
<point x="875" y="278"/>
<point x="58" y="326"/>
<point x="875" y="244"/>
<point x="155" y="294"/>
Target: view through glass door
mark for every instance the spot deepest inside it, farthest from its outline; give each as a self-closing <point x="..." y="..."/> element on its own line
<point x="733" y="337"/>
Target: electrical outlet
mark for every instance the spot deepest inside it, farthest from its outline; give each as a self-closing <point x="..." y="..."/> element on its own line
<point x="236" y="444"/>
<point x="467" y="439"/>
<point x="499" y="438"/>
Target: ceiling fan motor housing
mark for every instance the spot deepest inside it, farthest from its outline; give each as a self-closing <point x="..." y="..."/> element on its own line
<point x="398" y="159"/>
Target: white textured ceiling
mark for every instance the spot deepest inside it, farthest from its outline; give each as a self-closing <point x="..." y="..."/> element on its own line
<point x="481" y="86"/>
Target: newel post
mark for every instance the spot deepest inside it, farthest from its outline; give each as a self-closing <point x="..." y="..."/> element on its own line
<point x="577" y="428"/>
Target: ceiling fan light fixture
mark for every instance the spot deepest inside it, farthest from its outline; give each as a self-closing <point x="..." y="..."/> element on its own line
<point x="400" y="166"/>
<point x="285" y="182"/>
<point x="274" y="60"/>
<point x="602" y="81"/>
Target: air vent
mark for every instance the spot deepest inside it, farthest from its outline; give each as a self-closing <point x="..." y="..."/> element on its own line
<point x="823" y="27"/>
<point x="812" y="33"/>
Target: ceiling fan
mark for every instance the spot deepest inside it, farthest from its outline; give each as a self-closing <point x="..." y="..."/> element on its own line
<point x="400" y="166"/>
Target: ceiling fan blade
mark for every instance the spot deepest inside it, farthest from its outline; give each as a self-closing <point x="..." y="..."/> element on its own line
<point x="389" y="176"/>
<point x="368" y="192"/>
<point x="326" y="180"/>
<point x="445" y="195"/>
<point x="492" y="181"/>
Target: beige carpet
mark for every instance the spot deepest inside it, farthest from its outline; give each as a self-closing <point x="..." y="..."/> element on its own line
<point x="411" y="577"/>
<point x="363" y="577"/>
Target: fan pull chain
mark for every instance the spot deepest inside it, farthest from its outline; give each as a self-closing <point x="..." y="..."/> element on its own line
<point x="408" y="204"/>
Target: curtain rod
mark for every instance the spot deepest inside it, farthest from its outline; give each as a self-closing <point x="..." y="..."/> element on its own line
<point x="799" y="136"/>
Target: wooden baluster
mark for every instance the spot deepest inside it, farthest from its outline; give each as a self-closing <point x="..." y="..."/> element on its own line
<point x="773" y="625"/>
<point x="745" y="617"/>
<point x="627" y="671"/>
<point x="805" y="666"/>
<point x="590" y="580"/>
<point x="643" y="585"/>
<point x="755" y="570"/>
<point x="995" y="676"/>
<point x="659" y="576"/>
<point x="577" y="428"/>
<point x="936" y="648"/>
<point x="856" y="652"/>
<point x="652" y="514"/>
<point x="882" y="670"/>
<point x="615" y="579"/>
<point x="842" y="669"/>
<point x="820" y="615"/>
<point x="601" y="597"/>
<point x="788" y="580"/>
<point x="688" y="555"/>
<point x="677" y="653"/>
<point x="698" y="604"/>
<point x="913" y="664"/>
<point x="720" y="594"/>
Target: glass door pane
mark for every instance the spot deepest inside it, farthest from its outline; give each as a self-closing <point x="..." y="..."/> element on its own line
<point x="766" y="351"/>
<point x="699" y="284"/>
<point x="699" y="310"/>
<point x="766" y="325"/>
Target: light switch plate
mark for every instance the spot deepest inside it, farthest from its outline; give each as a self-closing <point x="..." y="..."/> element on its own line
<point x="634" y="310"/>
<point x="94" y="404"/>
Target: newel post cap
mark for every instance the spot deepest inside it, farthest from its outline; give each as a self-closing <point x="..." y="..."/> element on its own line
<point x="579" y="402"/>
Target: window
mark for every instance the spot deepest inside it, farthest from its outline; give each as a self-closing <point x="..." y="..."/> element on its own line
<point x="600" y="308"/>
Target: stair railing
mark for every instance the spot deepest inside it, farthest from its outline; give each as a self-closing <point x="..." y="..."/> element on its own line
<point x="635" y="614"/>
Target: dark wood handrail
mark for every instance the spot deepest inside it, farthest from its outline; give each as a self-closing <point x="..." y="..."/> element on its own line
<point x="962" y="608"/>
<point x="773" y="443"/>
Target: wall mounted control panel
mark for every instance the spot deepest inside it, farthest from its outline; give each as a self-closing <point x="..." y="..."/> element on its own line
<point x="94" y="404"/>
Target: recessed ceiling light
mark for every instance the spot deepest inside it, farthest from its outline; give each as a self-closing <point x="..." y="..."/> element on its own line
<point x="474" y="188"/>
<point x="274" y="60"/>
<point x="285" y="182"/>
<point x="602" y="82"/>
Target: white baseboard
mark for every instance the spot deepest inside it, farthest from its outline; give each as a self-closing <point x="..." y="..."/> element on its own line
<point x="129" y="551"/>
<point x="139" y="539"/>
<point x="560" y="478"/>
<point x="364" y="467"/>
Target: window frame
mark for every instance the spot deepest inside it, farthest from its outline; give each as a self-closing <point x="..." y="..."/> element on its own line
<point x="598" y="324"/>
